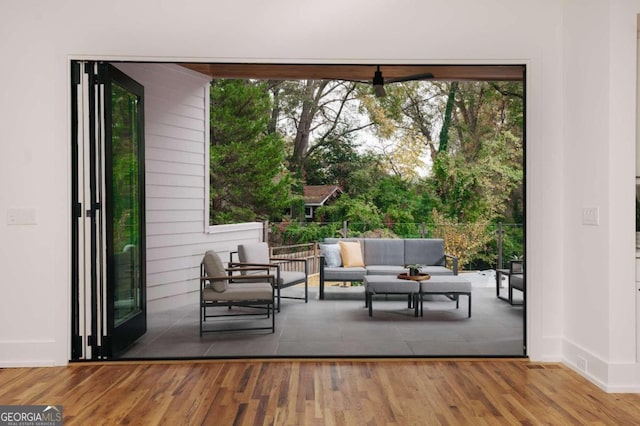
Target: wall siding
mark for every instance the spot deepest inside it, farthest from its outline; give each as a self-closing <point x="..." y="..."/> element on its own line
<point x="176" y="136"/>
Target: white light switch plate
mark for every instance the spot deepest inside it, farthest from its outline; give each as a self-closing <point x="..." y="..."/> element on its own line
<point x="590" y="216"/>
<point x="21" y="217"/>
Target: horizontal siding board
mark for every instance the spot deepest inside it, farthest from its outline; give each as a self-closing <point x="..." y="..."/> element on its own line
<point x="159" y="129"/>
<point x="173" y="264"/>
<point x="172" y="168"/>
<point x="173" y="289"/>
<point x="157" y="191"/>
<point x="196" y="249"/>
<point x="174" y="180"/>
<point x="175" y="228"/>
<point x="168" y="216"/>
<point x="173" y="204"/>
<point x="180" y="157"/>
<point x="174" y="276"/>
<point x="176" y="120"/>
<point x="163" y="105"/>
<point x="173" y="145"/>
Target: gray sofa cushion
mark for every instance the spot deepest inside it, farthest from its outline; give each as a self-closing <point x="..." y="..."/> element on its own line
<point x="424" y="251"/>
<point x="384" y="251"/>
<point x="344" y="274"/>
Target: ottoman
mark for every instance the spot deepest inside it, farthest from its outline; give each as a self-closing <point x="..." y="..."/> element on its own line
<point x="385" y="284"/>
<point x="449" y="285"/>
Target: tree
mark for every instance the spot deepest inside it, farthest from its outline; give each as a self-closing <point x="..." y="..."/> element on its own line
<point x="248" y="181"/>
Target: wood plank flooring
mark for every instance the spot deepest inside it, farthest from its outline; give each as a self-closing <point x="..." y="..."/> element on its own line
<point x="319" y="392"/>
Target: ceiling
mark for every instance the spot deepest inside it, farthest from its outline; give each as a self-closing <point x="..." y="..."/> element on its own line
<point x="359" y="72"/>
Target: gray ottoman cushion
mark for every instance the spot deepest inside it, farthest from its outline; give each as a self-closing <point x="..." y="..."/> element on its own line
<point x="445" y="284"/>
<point x="381" y="284"/>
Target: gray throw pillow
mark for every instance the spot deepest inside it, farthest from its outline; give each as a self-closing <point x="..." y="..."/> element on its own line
<point x="332" y="257"/>
<point x="213" y="267"/>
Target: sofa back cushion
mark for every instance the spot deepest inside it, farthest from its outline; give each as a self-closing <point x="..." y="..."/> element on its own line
<point x="384" y="251"/>
<point x="351" y="253"/>
<point x="425" y="251"/>
<point x="332" y="256"/>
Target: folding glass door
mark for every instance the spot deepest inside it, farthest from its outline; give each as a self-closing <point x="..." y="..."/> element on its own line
<point x="108" y="232"/>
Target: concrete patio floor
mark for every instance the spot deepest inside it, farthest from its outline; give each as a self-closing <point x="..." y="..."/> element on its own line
<point x="340" y="326"/>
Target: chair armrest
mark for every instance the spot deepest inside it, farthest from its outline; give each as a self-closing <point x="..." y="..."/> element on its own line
<point x="270" y="278"/>
<point x="245" y="265"/>
<point x="454" y="260"/>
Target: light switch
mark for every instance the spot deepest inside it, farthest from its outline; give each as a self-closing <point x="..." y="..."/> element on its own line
<point x="21" y="217"/>
<point x="590" y="216"/>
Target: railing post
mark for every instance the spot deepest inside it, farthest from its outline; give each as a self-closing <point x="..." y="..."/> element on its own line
<point x="499" y="263"/>
<point x="265" y="232"/>
<point x="345" y="229"/>
<point x="423" y="230"/>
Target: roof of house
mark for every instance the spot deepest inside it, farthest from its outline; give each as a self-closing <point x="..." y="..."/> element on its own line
<point x="317" y="195"/>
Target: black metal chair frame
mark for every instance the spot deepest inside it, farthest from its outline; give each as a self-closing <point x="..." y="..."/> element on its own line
<point x="267" y="306"/>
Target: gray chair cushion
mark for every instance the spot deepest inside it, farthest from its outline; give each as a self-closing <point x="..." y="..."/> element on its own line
<point x="384" y="251"/>
<point x="424" y="251"/>
<point x="213" y="267"/>
<point x="291" y="277"/>
<point x="254" y="253"/>
<point x="240" y="292"/>
<point x="331" y="254"/>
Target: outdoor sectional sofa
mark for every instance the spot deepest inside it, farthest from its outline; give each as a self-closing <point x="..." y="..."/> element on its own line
<point x="385" y="256"/>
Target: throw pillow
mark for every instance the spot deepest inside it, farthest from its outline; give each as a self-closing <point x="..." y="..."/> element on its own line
<point x="213" y="267"/>
<point x="332" y="257"/>
<point x="351" y="254"/>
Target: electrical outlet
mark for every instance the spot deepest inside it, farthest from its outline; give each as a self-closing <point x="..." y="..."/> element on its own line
<point x="581" y="364"/>
<point x="590" y="216"/>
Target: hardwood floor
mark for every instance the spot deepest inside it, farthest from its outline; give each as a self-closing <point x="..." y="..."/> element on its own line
<point x="322" y="392"/>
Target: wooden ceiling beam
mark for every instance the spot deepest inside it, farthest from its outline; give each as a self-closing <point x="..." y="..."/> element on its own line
<point x="357" y="72"/>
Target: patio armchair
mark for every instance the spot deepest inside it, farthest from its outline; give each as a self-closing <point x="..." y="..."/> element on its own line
<point x="233" y="287"/>
<point x="257" y="255"/>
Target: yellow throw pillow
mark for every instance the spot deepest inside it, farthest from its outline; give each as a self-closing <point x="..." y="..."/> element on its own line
<point x="351" y="254"/>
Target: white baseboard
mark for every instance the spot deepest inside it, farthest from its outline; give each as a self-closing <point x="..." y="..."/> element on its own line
<point x="612" y="378"/>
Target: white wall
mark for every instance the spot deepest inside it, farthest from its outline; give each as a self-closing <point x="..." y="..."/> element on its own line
<point x="578" y="148"/>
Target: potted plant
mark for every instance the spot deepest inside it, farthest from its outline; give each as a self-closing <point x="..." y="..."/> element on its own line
<point x="414" y="269"/>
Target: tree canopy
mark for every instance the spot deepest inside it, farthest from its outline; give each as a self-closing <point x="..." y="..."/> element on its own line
<point x="441" y="153"/>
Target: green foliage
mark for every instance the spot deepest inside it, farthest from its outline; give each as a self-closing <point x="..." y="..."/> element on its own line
<point x="360" y="214"/>
<point x="248" y="180"/>
<point x="288" y="233"/>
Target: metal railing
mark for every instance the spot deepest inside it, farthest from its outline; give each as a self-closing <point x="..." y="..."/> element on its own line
<point x="487" y="247"/>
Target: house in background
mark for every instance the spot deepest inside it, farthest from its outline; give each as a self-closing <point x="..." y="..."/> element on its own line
<point x="316" y="196"/>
